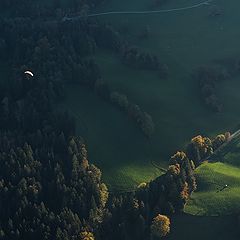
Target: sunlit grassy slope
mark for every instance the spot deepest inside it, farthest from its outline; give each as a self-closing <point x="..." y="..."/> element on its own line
<point x="114" y="143"/>
<point x="211" y="198"/>
<point x="212" y="177"/>
<point x="183" y="41"/>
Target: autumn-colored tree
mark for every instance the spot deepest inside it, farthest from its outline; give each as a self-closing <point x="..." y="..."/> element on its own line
<point x="218" y="141"/>
<point x="199" y="148"/>
<point x="227" y="136"/>
<point x="178" y="158"/>
<point x="174" y="169"/>
<point x="160" y="226"/>
<point x="103" y="196"/>
<point x="85" y="235"/>
<point x="185" y="192"/>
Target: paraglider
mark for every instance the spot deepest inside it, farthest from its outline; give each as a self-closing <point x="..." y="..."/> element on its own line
<point x="29" y="73"/>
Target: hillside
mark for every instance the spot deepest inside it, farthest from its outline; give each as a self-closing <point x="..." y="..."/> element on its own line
<point x="213" y="197"/>
<point x="180" y="41"/>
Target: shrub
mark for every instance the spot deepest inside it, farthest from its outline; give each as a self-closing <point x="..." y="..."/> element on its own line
<point x="160" y="226"/>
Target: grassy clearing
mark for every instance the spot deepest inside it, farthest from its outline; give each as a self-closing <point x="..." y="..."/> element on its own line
<point x="211" y="177"/>
<point x="210" y="198"/>
<point x="128" y="177"/>
<point x="115" y="144"/>
<point x="183" y="41"/>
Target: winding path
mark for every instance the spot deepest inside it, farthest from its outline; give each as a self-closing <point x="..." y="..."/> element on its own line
<point x="205" y="3"/>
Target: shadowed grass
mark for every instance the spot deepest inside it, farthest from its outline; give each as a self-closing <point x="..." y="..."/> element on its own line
<point x="179" y="40"/>
<point x="187" y="227"/>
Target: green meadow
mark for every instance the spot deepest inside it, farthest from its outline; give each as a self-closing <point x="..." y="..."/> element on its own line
<point x="211" y="198"/>
<point x="184" y="41"/>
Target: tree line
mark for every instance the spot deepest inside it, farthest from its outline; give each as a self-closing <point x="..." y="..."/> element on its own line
<point x="209" y="77"/>
<point x="48" y="187"/>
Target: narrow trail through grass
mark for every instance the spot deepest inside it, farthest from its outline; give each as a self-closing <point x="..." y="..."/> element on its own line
<point x="208" y="2"/>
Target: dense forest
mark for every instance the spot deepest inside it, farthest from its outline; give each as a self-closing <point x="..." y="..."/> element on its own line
<point x="48" y="187"/>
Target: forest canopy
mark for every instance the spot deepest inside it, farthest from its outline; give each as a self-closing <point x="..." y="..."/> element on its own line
<point x="48" y="187"/>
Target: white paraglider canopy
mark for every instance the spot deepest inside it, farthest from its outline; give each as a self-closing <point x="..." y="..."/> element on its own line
<point x="29" y="73"/>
